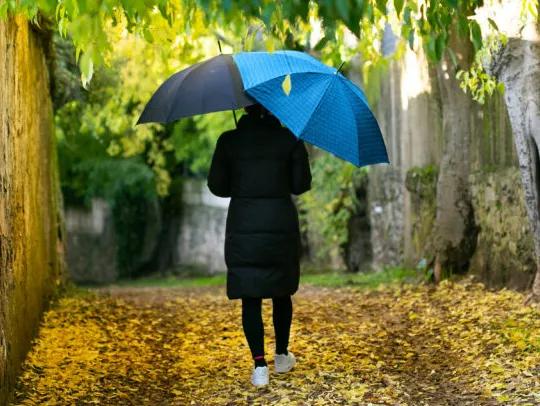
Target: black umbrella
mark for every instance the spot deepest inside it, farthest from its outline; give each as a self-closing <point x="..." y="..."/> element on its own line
<point x="208" y="86"/>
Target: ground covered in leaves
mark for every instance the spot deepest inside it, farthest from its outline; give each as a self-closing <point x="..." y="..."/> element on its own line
<point x="412" y="345"/>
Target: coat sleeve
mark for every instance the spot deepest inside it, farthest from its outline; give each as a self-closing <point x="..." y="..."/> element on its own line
<point x="219" y="175"/>
<point x="300" y="171"/>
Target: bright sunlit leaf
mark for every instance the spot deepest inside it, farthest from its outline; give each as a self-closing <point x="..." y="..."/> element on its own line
<point x="286" y="85"/>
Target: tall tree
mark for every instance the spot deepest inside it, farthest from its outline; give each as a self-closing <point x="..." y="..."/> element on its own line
<point x="454" y="232"/>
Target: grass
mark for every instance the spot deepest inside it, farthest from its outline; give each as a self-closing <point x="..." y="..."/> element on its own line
<point x="370" y="280"/>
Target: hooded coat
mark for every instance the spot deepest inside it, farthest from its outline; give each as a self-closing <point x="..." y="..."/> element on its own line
<point x="259" y="165"/>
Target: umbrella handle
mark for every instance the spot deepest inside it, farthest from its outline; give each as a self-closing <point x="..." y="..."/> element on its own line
<point x="235" y="120"/>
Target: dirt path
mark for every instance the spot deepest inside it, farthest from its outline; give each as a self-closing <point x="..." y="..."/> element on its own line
<point x="457" y="345"/>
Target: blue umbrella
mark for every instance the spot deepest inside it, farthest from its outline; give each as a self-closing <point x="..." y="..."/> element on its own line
<point x="316" y="102"/>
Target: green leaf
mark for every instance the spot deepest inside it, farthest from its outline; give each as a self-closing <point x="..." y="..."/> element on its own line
<point x="440" y="44"/>
<point x="411" y="39"/>
<point x="86" y="66"/>
<point x="330" y="30"/>
<point x="249" y="41"/>
<point x="267" y="13"/>
<point x="533" y="11"/>
<point x="500" y="87"/>
<point x="227" y="5"/>
<point x="343" y="9"/>
<point x="452" y="3"/>
<point x="453" y="57"/>
<point x="320" y="45"/>
<point x="407" y="16"/>
<point x="47" y="6"/>
<point x="493" y="24"/>
<point x="381" y="5"/>
<point x="431" y="48"/>
<point x="163" y="10"/>
<point x="463" y="26"/>
<point x="398" y="5"/>
<point x="148" y="35"/>
<point x="3" y="9"/>
<point x="301" y="9"/>
<point x="476" y="35"/>
<point x="370" y="12"/>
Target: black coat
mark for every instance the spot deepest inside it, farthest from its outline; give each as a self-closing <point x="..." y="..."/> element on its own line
<point x="259" y="165"/>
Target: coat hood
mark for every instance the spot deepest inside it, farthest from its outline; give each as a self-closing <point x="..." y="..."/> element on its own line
<point x="253" y="121"/>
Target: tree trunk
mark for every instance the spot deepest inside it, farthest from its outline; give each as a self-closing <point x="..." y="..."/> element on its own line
<point x="517" y="65"/>
<point x="454" y="232"/>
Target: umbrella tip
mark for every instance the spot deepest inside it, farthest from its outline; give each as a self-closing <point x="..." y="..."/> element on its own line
<point x="340" y="66"/>
<point x="219" y="46"/>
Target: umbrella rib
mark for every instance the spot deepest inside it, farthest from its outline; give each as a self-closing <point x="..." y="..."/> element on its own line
<point x="235" y="78"/>
<point x="180" y="84"/>
<point x="368" y="111"/>
<point x="318" y="104"/>
<point x="331" y="82"/>
<point x="355" y="121"/>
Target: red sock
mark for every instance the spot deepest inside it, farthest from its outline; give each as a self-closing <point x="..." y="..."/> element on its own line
<point x="260" y="361"/>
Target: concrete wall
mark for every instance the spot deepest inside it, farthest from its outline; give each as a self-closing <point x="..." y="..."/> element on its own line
<point x="31" y="248"/>
<point x="201" y="235"/>
<point x="91" y="243"/>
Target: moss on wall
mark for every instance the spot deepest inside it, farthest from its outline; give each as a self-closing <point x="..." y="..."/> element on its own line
<point x="31" y="250"/>
<point x="403" y="195"/>
<point x="421" y="182"/>
<point x="504" y="254"/>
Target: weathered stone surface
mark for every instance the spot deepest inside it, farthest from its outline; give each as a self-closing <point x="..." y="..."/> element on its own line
<point x="505" y="249"/>
<point x="31" y="248"/>
<point x="386" y="216"/>
<point x="201" y="237"/>
<point x="358" y="250"/>
<point x="421" y="183"/>
<point x="403" y="197"/>
<point x="91" y="244"/>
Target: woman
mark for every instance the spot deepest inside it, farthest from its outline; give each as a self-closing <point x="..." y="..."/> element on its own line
<point x="259" y="164"/>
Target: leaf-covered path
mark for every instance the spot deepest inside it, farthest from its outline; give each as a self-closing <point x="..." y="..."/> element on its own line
<point x="456" y="345"/>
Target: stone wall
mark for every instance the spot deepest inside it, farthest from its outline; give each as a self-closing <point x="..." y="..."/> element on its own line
<point x="402" y="195"/>
<point x="201" y="235"/>
<point x="31" y="248"/>
<point x="91" y="243"/>
<point x="387" y="216"/>
<point x="504" y="254"/>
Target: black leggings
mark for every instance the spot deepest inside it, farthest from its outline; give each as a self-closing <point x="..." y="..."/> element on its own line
<point x="253" y="324"/>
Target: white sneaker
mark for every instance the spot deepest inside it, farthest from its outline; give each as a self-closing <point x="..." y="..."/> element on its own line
<point x="284" y="363"/>
<point x="259" y="377"/>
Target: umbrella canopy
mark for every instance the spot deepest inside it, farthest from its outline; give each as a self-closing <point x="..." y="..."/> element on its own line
<point x="208" y="86"/>
<point x="316" y="102"/>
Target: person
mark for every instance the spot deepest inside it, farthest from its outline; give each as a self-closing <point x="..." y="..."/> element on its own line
<point x="259" y="165"/>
